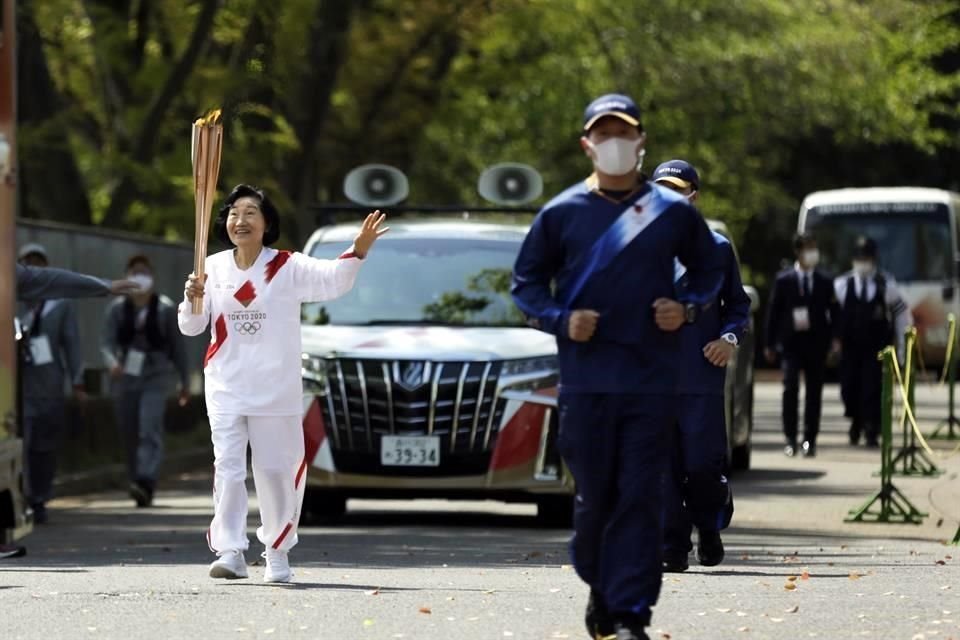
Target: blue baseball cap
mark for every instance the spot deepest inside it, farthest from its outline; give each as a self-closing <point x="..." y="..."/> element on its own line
<point x="612" y="104"/>
<point x="677" y="172"/>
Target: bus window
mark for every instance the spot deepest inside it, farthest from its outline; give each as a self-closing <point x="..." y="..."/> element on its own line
<point x="914" y="245"/>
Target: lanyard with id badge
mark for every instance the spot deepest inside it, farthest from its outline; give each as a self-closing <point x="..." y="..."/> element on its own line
<point x="41" y="352"/>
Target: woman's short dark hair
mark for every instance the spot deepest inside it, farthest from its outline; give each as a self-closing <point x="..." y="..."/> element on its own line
<point x="270" y="214"/>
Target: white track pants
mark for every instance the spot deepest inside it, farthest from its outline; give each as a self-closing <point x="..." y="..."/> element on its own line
<point x="279" y="474"/>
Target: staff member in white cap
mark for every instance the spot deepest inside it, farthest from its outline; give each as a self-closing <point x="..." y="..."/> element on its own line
<point x="51" y="361"/>
<point x="254" y="391"/>
<point x="145" y="354"/>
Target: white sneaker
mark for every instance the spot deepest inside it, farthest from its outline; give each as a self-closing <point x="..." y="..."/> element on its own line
<point x="278" y="566"/>
<point x="230" y="565"/>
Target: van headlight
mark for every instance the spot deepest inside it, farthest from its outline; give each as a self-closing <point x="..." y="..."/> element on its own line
<point x="313" y="370"/>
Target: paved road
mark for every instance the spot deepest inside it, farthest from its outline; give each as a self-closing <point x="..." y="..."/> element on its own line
<point x="435" y="570"/>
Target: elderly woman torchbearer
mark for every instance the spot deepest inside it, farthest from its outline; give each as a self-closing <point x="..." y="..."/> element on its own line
<point x="251" y="295"/>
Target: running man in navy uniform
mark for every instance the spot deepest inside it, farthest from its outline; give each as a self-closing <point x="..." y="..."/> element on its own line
<point x="696" y="492"/>
<point x="597" y="271"/>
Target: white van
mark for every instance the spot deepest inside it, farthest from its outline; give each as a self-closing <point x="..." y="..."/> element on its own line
<point x="917" y="233"/>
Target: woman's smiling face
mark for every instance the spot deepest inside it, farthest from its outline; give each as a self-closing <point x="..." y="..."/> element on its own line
<point x="245" y="222"/>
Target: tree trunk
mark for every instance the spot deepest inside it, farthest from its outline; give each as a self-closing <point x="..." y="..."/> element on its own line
<point x="50" y="180"/>
<point x="326" y="53"/>
<point x="145" y="140"/>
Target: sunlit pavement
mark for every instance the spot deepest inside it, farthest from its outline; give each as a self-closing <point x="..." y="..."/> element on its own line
<point x="432" y="569"/>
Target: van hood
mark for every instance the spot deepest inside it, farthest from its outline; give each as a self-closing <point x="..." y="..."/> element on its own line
<point x="425" y="342"/>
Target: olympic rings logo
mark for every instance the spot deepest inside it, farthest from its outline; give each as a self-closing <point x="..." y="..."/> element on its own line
<point x="246" y="328"/>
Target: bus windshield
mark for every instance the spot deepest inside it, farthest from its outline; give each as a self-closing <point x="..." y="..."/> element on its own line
<point x="914" y="242"/>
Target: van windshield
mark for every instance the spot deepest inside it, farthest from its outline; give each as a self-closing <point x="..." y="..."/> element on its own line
<point x="448" y="281"/>
<point x="913" y="239"/>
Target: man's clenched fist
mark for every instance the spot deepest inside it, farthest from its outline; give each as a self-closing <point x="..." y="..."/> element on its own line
<point x="582" y="325"/>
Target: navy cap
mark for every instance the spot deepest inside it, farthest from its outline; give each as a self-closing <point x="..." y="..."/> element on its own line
<point x="612" y="104"/>
<point x="677" y="172"/>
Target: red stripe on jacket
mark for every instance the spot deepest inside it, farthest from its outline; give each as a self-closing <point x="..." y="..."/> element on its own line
<point x="220" y="331"/>
<point x="277" y="263"/>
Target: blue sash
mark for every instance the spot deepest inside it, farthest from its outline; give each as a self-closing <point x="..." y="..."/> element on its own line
<point x="628" y="225"/>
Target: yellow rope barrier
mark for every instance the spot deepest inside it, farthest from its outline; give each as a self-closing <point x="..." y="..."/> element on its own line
<point x="951" y="340"/>
<point x="909" y="415"/>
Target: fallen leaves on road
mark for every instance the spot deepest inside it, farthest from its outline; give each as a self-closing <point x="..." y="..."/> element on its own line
<point x="854" y="575"/>
<point x="724" y="610"/>
<point x="805" y="575"/>
<point x="372" y="592"/>
<point x="793" y="609"/>
<point x="791" y="578"/>
<point x="790" y="586"/>
<point x="368" y="622"/>
<point x="426" y="610"/>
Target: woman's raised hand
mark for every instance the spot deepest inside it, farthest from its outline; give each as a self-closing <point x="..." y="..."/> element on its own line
<point x="369" y="233"/>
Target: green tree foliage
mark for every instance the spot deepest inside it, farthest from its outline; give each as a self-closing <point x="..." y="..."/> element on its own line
<point x="769" y="98"/>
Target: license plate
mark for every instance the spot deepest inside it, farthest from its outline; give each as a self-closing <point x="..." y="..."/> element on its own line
<point x="410" y="451"/>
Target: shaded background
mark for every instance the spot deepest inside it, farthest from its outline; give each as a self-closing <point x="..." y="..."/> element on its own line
<point x="771" y="99"/>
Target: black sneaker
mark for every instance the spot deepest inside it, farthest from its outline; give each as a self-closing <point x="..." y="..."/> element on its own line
<point x="790" y="449"/>
<point x="12" y="551"/>
<point x="675" y="561"/>
<point x="141" y="494"/>
<point x="597" y="618"/>
<point x="809" y="449"/>
<point x="709" y="548"/>
<point x="854" y="434"/>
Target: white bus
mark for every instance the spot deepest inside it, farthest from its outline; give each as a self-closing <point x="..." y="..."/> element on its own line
<point x="917" y="233"/>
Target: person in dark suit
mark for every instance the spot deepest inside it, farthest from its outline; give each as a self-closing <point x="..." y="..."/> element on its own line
<point x="800" y="330"/>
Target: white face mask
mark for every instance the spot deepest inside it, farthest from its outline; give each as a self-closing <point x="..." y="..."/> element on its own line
<point x="145" y="281"/>
<point x="862" y="267"/>
<point x="811" y="258"/>
<point x="616" y="156"/>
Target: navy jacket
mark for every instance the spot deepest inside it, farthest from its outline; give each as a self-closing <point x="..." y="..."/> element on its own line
<point x="730" y="314"/>
<point x="823" y="311"/>
<point x="628" y="353"/>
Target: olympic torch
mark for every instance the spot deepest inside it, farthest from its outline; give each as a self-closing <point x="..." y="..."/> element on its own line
<point x="205" y="148"/>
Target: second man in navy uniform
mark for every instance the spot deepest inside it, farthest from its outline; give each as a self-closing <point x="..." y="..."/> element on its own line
<point x="597" y="271"/>
<point x="696" y="490"/>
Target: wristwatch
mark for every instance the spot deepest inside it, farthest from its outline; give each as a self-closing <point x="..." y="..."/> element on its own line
<point x="690" y="313"/>
<point x="730" y="338"/>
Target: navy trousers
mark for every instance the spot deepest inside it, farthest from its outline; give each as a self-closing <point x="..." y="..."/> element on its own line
<point x="615" y="446"/>
<point x="696" y="493"/>
<point x="44" y="424"/>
